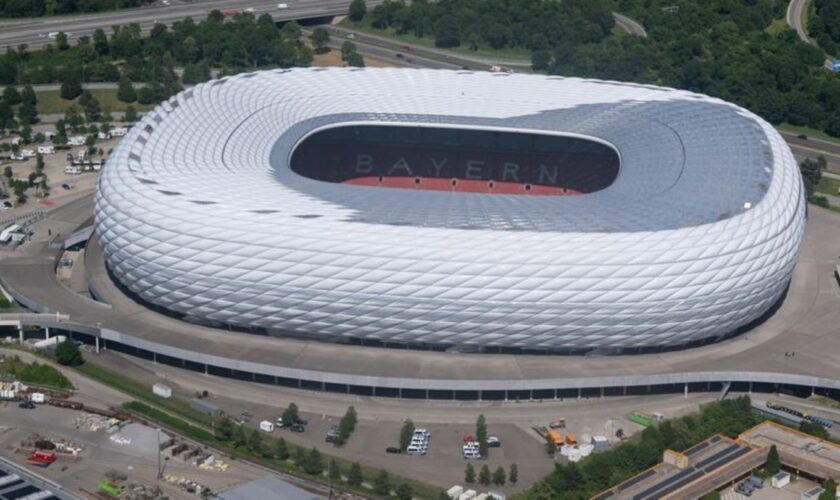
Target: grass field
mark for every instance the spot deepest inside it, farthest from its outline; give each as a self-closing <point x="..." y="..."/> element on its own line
<point x="51" y="103"/>
<point x="828" y="186"/>
<point x="810" y="132"/>
<point x="777" y="26"/>
<point x="519" y="54"/>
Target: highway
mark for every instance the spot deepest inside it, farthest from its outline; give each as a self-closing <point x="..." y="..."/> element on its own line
<point x="795" y="10"/>
<point x="34" y="32"/>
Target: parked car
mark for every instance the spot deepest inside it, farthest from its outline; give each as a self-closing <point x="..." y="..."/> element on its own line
<point x="393" y="449"/>
<point x="332" y="434"/>
<point x="802" y="136"/>
<point x="297" y="428"/>
<point x="300" y="421"/>
<point x="493" y="442"/>
<point x="65" y="186"/>
<point x="279" y="422"/>
<point x="468" y="438"/>
<point x="7" y="204"/>
<point x="26" y="405"/>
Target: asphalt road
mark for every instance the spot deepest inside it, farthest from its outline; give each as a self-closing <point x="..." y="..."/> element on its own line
<point x="34" y="32"/>
<point x="629" y="25"/>
<point x="794" y="19"/>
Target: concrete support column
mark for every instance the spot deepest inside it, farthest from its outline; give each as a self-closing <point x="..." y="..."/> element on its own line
<point x="154" y="357"/>
<point x="47" y="331"/>
<point x="579" y="392"/>
<point x="205" y="369"/>
<point x="750" y="389"/>
<point x="20" y="333"/>
<point x="685" y="390"/>
<point x="97" y="344"/>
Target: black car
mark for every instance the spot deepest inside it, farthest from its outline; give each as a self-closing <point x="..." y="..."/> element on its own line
<point x="393" y="449"/>
<point x="27" y="405"/>
<point x="65" y="186"/>
<point x="297" y="428"/>
<point x="802" y="136"/>
<point x="300" y="421"/>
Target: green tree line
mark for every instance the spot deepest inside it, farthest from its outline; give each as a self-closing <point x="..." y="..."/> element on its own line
<point x="532" y="24"/>
<point x="38" y="8"/>
<point x="600" y="471"/>
<point x="233" y="45"/>
<point x="824" y="25"/>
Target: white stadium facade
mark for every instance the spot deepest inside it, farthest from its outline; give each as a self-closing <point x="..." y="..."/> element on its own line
<point x="453" y="209"/>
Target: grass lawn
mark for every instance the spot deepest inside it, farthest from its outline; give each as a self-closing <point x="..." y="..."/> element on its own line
<point x="828" y="186"/>
<point x="777" y="26"/>
<point x="51" y="103"/>
<point x="520" y="54"/>
<point x="810" y="132"/>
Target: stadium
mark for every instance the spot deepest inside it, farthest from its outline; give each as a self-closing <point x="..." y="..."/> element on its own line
<point x="453" y="209"/>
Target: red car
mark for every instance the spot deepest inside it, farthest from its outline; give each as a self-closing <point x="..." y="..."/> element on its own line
<point x="468" y="438"/>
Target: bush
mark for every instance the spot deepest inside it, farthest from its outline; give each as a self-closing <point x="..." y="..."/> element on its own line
<point x="382" y="483"/>
<point x="67" y="353"/>
<point x="34" y="373"/>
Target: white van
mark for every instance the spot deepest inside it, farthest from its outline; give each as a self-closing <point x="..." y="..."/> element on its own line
<point x="70" y="170"/>
<point x="282" y="6"/>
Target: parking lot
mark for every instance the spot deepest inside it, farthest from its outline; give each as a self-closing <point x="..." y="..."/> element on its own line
<point x="98" y="453"/>
<point x="380" y="420"/>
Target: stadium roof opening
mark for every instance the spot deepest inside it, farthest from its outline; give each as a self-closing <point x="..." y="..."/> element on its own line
<point x="490" y="161"/>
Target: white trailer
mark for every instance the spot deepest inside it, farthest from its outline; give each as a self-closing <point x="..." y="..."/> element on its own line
<point x="266" y="426"/>
<point x="162" y="390"/>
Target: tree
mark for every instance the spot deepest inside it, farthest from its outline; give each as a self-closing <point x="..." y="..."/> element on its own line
<point x="334" y="470"/>
<point x="67" y="353"/>
<point x="290" y="415"/>
<point x="313" y="464"/>
<point x="346" y="426"/>
<point x="7" y="172"/>
<point x="61" y="41"/>
<point x="513" y="474"/>
<point x="382" y="483"/>
<point x="347" y="48"/>
<point x="354" y="475"/>
<point x="224" y="429"/>
<point x="237" y="437"/>
<point x="812" y="173"/>
<point x="90" y="106"/>
<point x="39" y="164"/>
<point x="404" y="492"/>
<point x="320" y="40"/>
<point x="541" y="59"/>
<point x="130" y="115"/>
<point x="11" y="95"/>
<point x="255" y="441"/>
<point x="813" y="429"/>
<point x="406" y="433"/>
<point x="356" y="60"/>
<point x="281" y="450"/>
<point x="484" y="475"/>
<point x="830" y="492"/>
<point x="6" y="114"/>
<point x="39" y="137"/>
<point x="28" y="95"/>
<point x="125" y="90"/>
<point x="772" y="465"/>
<point x="499" y="476"/>
<point x="291" y="30"/>
<point x="358" y="10"/>
<point x="71" y="86"/>
<point x="27" y="113"/>
<point x="469" y="474"/>
<point x="100" y="42"/>
<point x="481" y="435"/>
